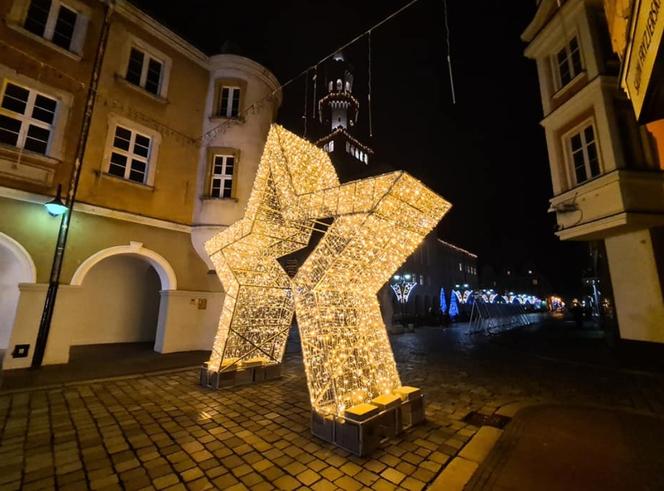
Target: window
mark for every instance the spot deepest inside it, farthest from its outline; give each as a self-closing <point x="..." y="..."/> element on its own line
<point x="221" y="183"/>
<point x="460" y="267"/>
<point x="145" y="71"/>
<point x="130" y="155"/>
<point x="52" y="20"/>
<point x="26" y="118"/>
<point x="568" y="61"/>
<point x="583" y="149"/>
<point x="229" y="102"/>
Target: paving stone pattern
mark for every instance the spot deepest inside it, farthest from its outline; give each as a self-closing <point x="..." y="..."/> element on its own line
<point x="166" y="432"/>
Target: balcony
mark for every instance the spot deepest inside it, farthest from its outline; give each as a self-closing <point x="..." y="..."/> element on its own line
<point x="614" y="203"/>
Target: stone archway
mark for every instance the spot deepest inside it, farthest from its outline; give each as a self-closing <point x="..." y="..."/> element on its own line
<point x="16" y="267"/>
<point x="160" y="264"/>
<point x="124" y="284"/>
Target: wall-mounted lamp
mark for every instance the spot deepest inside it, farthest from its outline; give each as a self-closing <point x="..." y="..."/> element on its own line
<point x="56" y="207"/>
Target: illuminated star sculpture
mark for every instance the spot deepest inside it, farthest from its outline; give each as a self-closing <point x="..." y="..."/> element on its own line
<point x="376" y="224"/>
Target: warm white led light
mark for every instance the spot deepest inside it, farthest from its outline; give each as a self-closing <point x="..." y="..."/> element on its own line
<point x="377" y="223"/>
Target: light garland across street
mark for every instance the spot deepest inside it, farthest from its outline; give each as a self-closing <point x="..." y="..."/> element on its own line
<point x="376" y="224"/>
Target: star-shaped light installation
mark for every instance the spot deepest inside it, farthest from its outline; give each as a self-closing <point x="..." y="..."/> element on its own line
<point x="376" y="224"/>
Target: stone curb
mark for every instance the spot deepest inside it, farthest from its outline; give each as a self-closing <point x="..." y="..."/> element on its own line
<point x="461" y="469"/>
<point x="97" y="380"/>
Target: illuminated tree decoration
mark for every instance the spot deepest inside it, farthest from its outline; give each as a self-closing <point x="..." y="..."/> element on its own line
<point x="454" y="306"/>
<point x="377" y="223"/>
<point x="443" y="301"/>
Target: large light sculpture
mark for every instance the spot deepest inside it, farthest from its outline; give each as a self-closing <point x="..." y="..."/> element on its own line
<point x="376" y="223"/>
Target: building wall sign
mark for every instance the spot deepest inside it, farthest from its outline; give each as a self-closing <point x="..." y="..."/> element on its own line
<point x="646" y="35"/>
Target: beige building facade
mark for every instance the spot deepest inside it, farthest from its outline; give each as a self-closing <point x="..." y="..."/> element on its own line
<point x="606" y="168"/>
<point x="169" y="159"/>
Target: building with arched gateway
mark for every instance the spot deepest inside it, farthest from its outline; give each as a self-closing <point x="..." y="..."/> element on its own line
<point x="169" y="159"/>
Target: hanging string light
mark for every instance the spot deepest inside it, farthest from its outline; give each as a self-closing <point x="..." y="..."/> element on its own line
<point x="449" y="50"/>
<point x="369" y="82"/>
<point x="224" y="125"/>
<point x="306" y="100"/>
<point x="315" y="95"/>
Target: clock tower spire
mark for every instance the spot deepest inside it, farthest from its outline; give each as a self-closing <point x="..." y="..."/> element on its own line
<point x="338" y="113"/>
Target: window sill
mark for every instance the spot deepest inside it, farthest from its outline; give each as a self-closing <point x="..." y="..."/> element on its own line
<point x="236" y="119"/>
<point x="212" y="198"/>
<point x="44" y="41"/>
<point x="568" y="86"/>
<point x="111" y="177"/>
<point x="157" y="98"/>
<point x="28" y="155"/>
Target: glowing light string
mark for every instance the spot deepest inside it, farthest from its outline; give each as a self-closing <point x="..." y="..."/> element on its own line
<point x="213" y="132"/>
<point x="449" y="50"/>
<point x="306" y="100"/>
<point x="377" y="223"/>
<point x="370" y="84"/>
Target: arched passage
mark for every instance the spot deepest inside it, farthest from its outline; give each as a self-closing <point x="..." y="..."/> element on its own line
<point x="160" y="264"/>
<point x="16" y="266"/>
<point x="120" y="295"/>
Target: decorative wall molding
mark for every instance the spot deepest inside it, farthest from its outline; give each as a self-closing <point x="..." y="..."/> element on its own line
<point x="40" y="199"/>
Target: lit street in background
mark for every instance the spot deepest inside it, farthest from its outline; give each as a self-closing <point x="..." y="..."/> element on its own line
<point x="410" y="244"/>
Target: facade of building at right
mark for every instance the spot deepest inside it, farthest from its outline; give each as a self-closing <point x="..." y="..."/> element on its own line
<point x="601" y="89"/>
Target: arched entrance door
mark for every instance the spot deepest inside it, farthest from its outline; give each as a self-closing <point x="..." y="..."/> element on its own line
<point x="16" y="266"/>
<point x="119" y="298"/>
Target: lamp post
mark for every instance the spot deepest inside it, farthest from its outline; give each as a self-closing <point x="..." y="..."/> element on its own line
<point x="57" y="208"/>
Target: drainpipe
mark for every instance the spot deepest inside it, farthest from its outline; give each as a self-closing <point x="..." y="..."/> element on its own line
<point x="58" y="256"/>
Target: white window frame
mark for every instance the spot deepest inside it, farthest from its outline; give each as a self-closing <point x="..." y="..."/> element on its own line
<point x="555" y="66"/>
<point x="143" y="78"/>
<point x="223" y="176"/>
<point x="65" y="102"/>
<point x="155" y="142"/>
<point x="130" y="155"/>
<point x="26" y="119"/>
<point x="228" y="110"/>
<point x="148" y="52"/>
<point x="569" y="157"/>
<point x="19" y="13"/>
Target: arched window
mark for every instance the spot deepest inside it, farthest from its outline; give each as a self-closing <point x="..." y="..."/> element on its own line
<point x="331" y="86"/>
<point x="347" y="86"/>
<point x="339" y="84"/>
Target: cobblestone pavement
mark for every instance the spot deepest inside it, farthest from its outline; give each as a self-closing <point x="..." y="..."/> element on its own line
<point x="166" y="432"/>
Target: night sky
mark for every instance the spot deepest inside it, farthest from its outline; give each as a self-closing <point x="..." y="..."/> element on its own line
<point x="486" y="154"/>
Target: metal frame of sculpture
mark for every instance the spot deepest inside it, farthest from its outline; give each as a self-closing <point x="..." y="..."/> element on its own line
<point x="376" y="224"/>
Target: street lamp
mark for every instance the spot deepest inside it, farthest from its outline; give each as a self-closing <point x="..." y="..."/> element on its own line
<point x="56" y="207"/>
